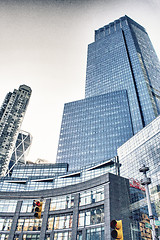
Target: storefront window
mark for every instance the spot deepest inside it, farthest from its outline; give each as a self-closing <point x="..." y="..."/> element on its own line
<point x="92" y="196"/>
<point x="29" y="224"/>
<point x="62" y="236"/>
<point x="4" y="236"/>
<point x="95" y="233"/>
<point x="62" y="222"/>
<point x="62" y="202"/>
<point x="81" y="219"/>
<point x="30" y="237"/>
<point x="79" y="236"/>
<point x="50" y="223"/>
<point x="47" y="237"/>
<point x="8" y="205"/>
<point x="16" y="237"/>
<point x="5" y="224"/>
<point x="91" y="217"/>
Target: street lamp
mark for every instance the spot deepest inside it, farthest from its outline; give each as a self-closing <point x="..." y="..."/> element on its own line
<point x="146" y="181"/>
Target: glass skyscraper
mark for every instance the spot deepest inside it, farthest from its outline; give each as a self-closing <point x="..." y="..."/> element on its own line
<point x="93" y="128"/>
<point x="122" y="57"/>
<point x="11" y="116"/>
<point x="122" y="95"/>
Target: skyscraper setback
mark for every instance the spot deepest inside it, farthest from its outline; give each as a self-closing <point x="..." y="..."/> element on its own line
<point x="122" y="95"/>
<point x="11" y="116"/>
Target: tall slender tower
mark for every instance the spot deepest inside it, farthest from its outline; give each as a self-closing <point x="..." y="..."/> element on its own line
<point x="122" y="95"/>
<point x="11" y="116"/>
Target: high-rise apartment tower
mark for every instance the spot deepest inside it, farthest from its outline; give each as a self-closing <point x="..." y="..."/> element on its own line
<point x="122" y="95"/>
<point x="11" y="116"/>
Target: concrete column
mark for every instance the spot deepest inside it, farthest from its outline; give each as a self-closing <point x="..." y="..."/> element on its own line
<point x="45" y="219"/>
<point x="84" y="234"/>
<point x="52" y="235"/>
<point x="107" y="217"/>
<point x="15" y="220"/>
<point x="20" y="236"/>
<point x="75" y="217"/>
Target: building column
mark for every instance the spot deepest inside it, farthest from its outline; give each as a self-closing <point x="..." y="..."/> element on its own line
<point x="107" y="217"/>
<point x="20" y="236"/>
<point x="52" y="235"/>
<point x="45" y="219"/>
<point x="84" y="234"/>
<point x="15" y="220"/>
<point x="75" y="216"/>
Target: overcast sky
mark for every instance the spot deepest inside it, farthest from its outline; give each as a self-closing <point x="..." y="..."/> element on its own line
<point x="43" y="44"/>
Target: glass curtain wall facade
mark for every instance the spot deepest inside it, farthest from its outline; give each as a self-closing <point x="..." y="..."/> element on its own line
<point x="11" y="116"/>
<point x="143" y="149"/>
<point x="34" y="177"/>
<point x="92" y="129"/>
<point x="80" y="212"/>
<point x="121" y="59"/>
<point x="21" y="150"/>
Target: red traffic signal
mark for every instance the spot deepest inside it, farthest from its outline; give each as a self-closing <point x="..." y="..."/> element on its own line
<point x="38" y="203"/>
<point x="113" y="224"/>
<point x="38" y="209"/>
<point x="117" y="233"/>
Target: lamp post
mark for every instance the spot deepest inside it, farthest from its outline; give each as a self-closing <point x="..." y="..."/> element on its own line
<point x="146" y="181"/>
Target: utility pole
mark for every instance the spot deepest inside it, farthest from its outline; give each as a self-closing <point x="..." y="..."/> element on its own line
<point x="146" y="181"/>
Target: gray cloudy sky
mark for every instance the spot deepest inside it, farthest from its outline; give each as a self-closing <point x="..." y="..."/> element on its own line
<point x="44" y="44"/>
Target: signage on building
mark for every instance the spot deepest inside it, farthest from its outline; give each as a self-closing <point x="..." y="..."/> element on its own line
<point x="136" y="184"/>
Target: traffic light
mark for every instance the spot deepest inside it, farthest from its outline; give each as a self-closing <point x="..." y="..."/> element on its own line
<point x="38" y="209"/>
<point x="117" y="233"/>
